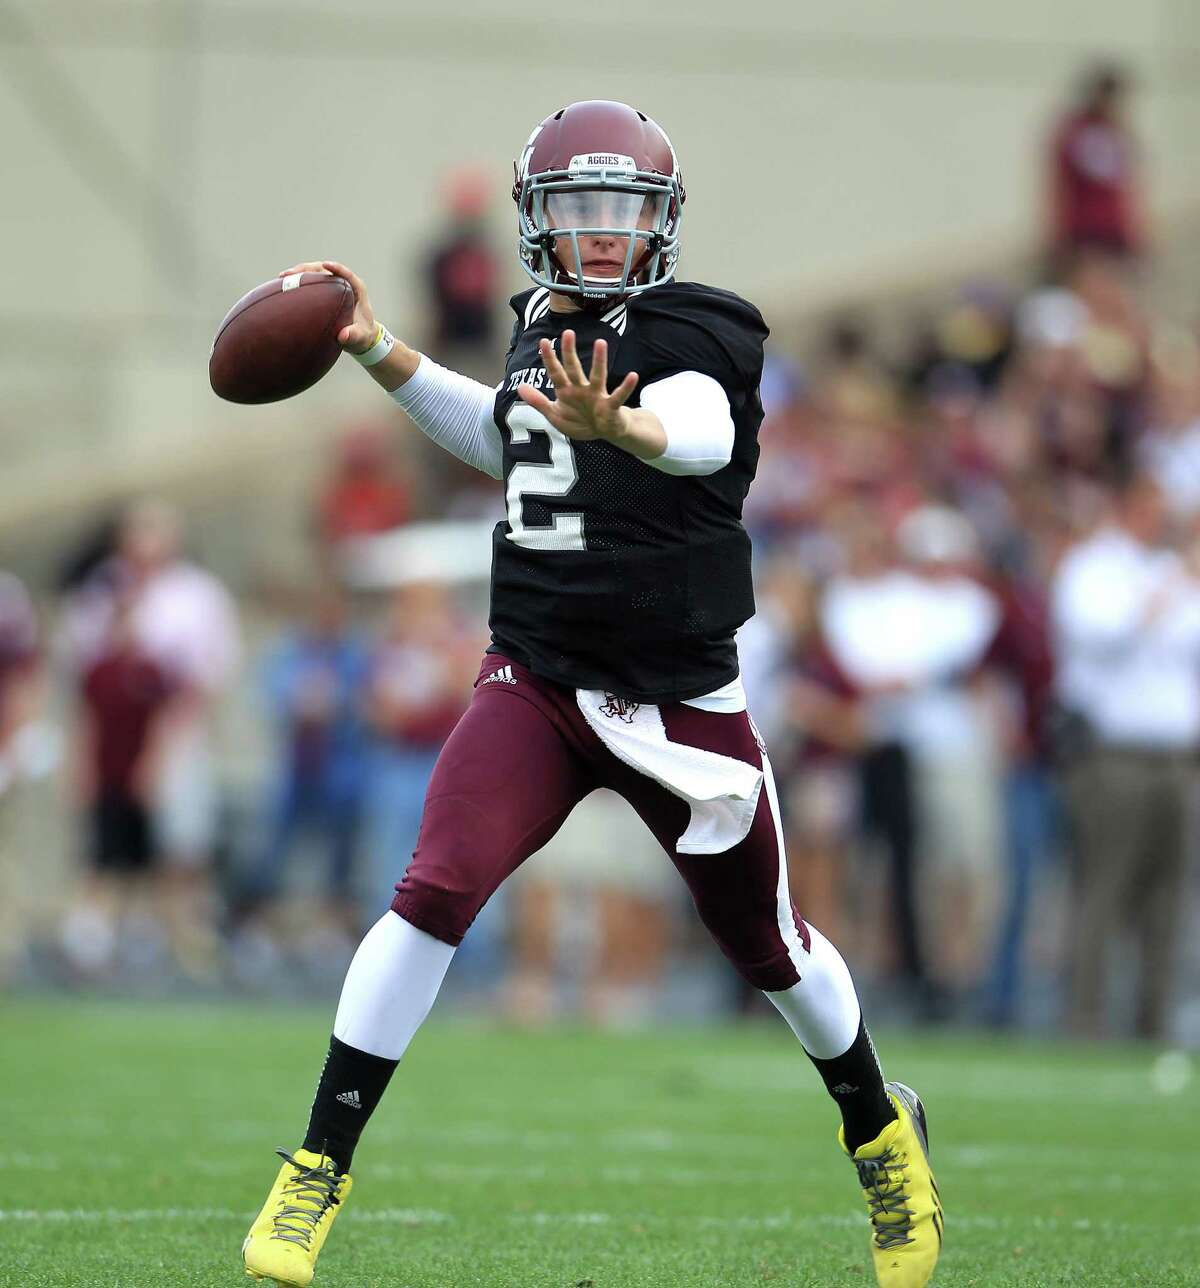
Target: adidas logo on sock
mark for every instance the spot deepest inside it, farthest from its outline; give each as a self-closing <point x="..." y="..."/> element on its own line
<point x="842" y="1089"/>
<point x="350" y="1098"/>
<point x="503" y="676"/>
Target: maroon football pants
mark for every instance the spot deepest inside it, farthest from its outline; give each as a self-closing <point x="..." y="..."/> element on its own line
<point x="520" y="760"/>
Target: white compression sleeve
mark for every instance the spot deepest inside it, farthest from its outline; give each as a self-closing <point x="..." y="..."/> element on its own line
<point x="456" y="412"/>
<point x="390" y="987"/>
<point x="822" y="1009"/>
<point x="694" y="410"/>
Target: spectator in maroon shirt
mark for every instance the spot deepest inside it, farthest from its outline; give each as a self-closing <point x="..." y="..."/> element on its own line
<point x="126" y="697"/>
<point x="1095" y="185"/>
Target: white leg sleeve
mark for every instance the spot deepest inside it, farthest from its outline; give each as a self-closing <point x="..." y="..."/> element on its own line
<point x="822" y="1009"/>
<point x="390" y="987"/>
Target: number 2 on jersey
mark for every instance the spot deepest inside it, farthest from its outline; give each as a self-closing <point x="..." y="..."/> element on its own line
<point x="528" y="478"/>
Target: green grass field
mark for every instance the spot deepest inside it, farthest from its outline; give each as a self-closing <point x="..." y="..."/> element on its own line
<point x="137" y="1145"/>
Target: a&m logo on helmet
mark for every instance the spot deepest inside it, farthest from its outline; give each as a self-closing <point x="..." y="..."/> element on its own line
<point x="601" y="161"/>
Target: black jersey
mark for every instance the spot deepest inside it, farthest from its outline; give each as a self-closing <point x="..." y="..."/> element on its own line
<point x="608" y="573"/>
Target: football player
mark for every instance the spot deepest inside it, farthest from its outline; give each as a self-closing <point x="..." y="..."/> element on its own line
<point x="624" y="432"/>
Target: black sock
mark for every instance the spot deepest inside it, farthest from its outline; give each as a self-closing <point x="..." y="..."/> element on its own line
<point x="352" y="1084"/>
<point x="855" y="1081"/>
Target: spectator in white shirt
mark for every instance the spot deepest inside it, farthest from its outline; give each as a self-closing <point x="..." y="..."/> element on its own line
<point x="953" y="737"/>
<point x="860" y="613"/>
<point x="1126" y="617"/>
<point x="911" y="638"/>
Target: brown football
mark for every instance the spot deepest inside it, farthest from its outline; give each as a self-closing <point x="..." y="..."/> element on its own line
<point x="280" y="338"/>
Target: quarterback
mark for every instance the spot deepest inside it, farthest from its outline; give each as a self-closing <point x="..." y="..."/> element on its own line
<point x="624" y="432"/>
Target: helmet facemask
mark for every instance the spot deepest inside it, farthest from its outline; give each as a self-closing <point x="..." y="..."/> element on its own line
<point x="602" y="196"/>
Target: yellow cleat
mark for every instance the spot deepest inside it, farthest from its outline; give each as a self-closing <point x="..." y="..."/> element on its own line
<point x="287" y="1234"/>
<point x="902" y="1196"/>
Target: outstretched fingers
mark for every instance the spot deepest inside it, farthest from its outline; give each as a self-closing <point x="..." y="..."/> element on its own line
<point x="571" y="361"/>
<point x="599" y="377"/>
<point x="582" y="405"/>
<point x="550" y="361"/>
<point x="622" y="393"/>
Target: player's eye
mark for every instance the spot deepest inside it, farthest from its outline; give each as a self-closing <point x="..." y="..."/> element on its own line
<point x="651" y="208"/>
<point x="601" y="208"/>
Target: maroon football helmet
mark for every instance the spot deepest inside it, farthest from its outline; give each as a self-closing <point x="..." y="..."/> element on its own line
<point x="605" y="172"/>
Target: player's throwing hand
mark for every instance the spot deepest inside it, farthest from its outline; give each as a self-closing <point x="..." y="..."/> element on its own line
<point x="582" y="407"/>
<point x="363" y="331"/>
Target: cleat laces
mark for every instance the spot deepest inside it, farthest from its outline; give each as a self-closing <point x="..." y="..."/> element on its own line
<point x="883" y="1180"/>
<point x="316" y="1189"/>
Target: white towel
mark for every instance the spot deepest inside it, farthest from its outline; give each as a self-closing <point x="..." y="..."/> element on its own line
<point x="721" y="791"/>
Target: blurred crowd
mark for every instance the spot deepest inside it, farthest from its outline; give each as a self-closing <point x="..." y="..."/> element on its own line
<point x="976" y="663"/>
<point x="977" y="637"/>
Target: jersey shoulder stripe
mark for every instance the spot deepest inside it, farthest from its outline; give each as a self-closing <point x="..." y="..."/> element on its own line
<point x="539" y="302"/>
<point x="616" y="318"/>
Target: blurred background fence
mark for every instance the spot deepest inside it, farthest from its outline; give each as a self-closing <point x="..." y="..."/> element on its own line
<point x="975" y="232"/>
